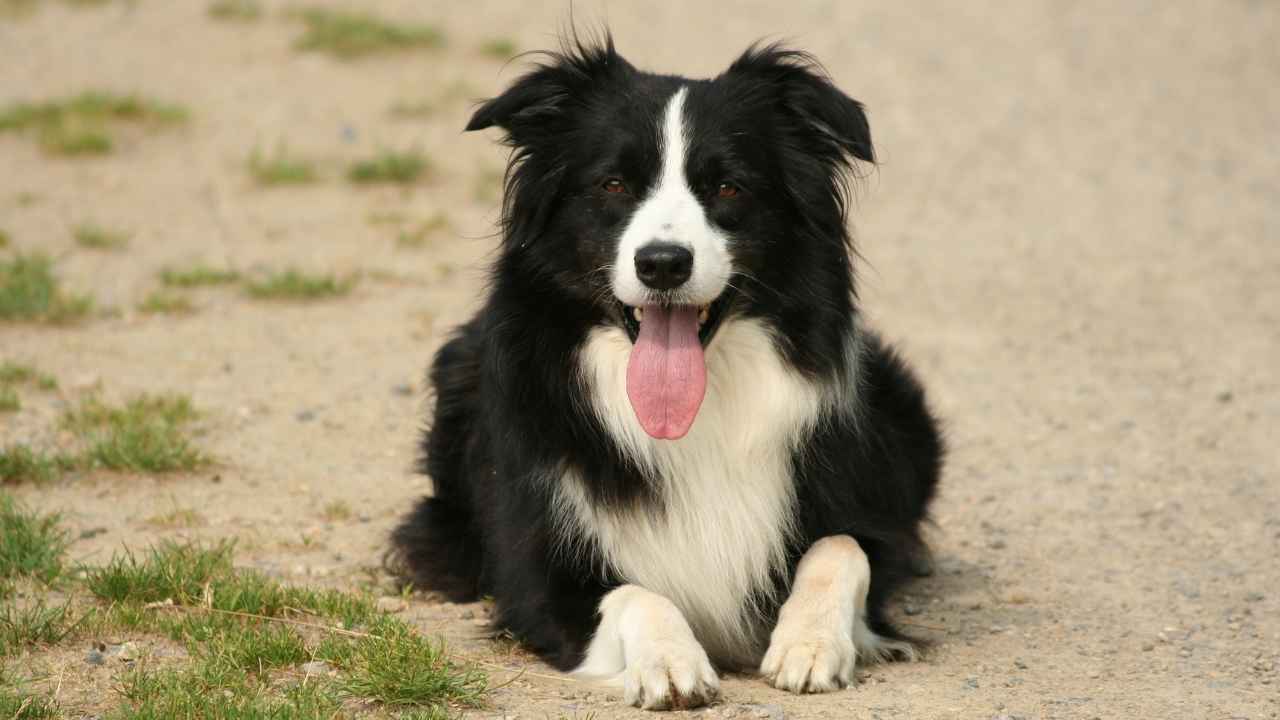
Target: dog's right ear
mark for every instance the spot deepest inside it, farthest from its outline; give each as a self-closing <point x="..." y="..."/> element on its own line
<point x="539" y="102"/>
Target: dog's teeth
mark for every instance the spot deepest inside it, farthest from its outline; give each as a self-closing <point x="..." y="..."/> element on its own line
<point x="702" y="316"/>
<point x="639" y="313"/>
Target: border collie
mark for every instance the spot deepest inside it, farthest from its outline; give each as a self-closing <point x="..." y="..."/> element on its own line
<point x="666" y="445"/>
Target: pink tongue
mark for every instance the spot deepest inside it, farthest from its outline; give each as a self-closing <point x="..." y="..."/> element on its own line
<point x="666" y="376"/>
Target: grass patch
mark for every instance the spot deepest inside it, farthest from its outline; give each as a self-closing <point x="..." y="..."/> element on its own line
<point x="498" y="48"/>
<point x="246" y="636"/>
<point x="389" y="166"/>
<point x="14" y="373"/>
<point x="420" y="236"/>
<point x="32" y="545"/>
<point x="296" y="285"/>
<point x="94" y="237"/>
<point x="4" y="239"/>
<point x="351" y="35"/>
<point x="198" y="276"/>
<point x="81" y="125"/>
<point x="164" y="303"/>
<point x="177" y="518"/>
<point x="29" y="292"/>
<point x="235" y="10"/>
<point x="18" y="705"/>
<point x="9" y="400"/>
<point x="336" y="511"/>
<point x="19" y="463"/>
<point x="146" y="434"/>
<point x="36" y="624"/>
<point x="281" y="168"/>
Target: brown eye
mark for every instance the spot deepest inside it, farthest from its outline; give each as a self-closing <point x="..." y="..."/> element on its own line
<point x="727" y="190"/>
<point x="614" y="185"/>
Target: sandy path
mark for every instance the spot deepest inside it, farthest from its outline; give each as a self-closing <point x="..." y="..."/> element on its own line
<point x="1074" y="235"/>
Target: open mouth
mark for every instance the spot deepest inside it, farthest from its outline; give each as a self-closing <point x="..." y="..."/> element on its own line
<point x="709" y="317"/>
<point x="667" y="371"/>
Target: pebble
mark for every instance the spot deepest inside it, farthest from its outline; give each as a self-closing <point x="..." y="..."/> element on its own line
<point x="305" y="416"/>
<point x="403" y="389"/>
<point x="468" y="615"/>
<point x="1254" y="597"/>
<point x="910" y="610"/>
<point x="1148" y="647"/>
<point x="997" y="544"/>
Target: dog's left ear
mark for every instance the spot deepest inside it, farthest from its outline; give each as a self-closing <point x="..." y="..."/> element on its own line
<point x="802" y="89"/>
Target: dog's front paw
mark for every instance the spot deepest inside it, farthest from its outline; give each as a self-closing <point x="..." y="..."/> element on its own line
<point x="670" y="674"/>
<point x="808" y="659"/>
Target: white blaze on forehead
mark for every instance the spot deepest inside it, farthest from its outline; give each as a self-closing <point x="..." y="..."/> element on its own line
<point x="670" y="213"/>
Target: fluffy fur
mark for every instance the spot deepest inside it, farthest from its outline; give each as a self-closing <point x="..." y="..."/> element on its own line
<point x="548" y="494"/>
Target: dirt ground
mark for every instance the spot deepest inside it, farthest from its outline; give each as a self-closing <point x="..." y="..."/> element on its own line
<point x="1074" y="235"/>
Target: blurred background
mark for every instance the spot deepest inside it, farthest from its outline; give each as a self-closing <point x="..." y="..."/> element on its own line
<point x="266" y="212"/>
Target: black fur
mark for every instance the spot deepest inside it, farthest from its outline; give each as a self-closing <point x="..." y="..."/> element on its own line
<point x="510" y="407"/>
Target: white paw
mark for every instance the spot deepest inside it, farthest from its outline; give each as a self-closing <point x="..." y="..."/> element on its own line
<point x="807" y="659"/>
<point x="669" y="673"/>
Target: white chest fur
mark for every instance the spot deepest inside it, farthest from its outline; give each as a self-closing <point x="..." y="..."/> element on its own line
<point x="726" y="487"/>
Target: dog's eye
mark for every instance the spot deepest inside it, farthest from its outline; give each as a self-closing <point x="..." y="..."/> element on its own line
<point x="727" y="190"/>
<point x="614" y="185"/>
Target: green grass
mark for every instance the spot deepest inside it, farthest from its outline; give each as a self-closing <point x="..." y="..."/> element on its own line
<point x="281" y="168"/>
<point x="245" y="636"/>
<point x="4" y="239"/>
<point x="82" y="124"/>
<point x="420" y="235"/>
<point x="235" y="10"/>
<point x="19" y="463"/>
<point x="498" y="48"/>
<point x="32" y="545"/>
<point x="165" y="303"/>
<point x="29" y="292"/>
<point x="351" y="35"/>
<point x="15" y="373"/>
<point x="296" y="285"/>
<point x="9" y="400"/>
<point x="35" y="624"/>
<point x="198" y="276"/>
<point x="146" y="434"/>
<point x="389" y="166"/>
<point x="18" y="705"/>
<point x="95" y="237"/>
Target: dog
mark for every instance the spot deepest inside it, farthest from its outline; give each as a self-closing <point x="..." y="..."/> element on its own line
<point x="667" y="445"/>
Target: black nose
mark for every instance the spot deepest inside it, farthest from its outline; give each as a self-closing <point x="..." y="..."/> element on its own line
<point x="663" y="266"/>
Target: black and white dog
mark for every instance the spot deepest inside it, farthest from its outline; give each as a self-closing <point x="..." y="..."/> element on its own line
<point x="666" y="444"/>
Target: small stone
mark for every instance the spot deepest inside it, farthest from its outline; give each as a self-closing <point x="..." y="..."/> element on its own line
<point x="1255" y="597"/>
<point x="1094" y="675"/>
<point x="305" y="416"/>
<point x="1018" y="663"/>
<point x="403" y="389"/>
<point x="910" y="610"/>
<point x="95" y="657"/>
<point x="468" y="615"/>
<point x="1226" y="396"/>
<point x="997" y="544"/>
<point x="1148" y="647"/>
<point x="92" y="533"/>
<point x="971" y="683"/>
<point x="767" y="712"/>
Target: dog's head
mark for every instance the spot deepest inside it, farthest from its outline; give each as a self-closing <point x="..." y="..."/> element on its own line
<point x="670" y="205"/>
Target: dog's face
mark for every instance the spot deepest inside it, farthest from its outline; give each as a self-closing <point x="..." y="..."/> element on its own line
<point x="670" y="205"/>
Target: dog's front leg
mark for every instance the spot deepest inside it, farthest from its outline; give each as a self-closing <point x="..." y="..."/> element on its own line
<point x="643" y="641"/>
<point x="822" y="631"/>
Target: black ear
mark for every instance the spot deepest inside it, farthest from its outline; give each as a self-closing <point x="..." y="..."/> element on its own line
<point x="803" y="90"/>
<point x="539" y="101"/>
